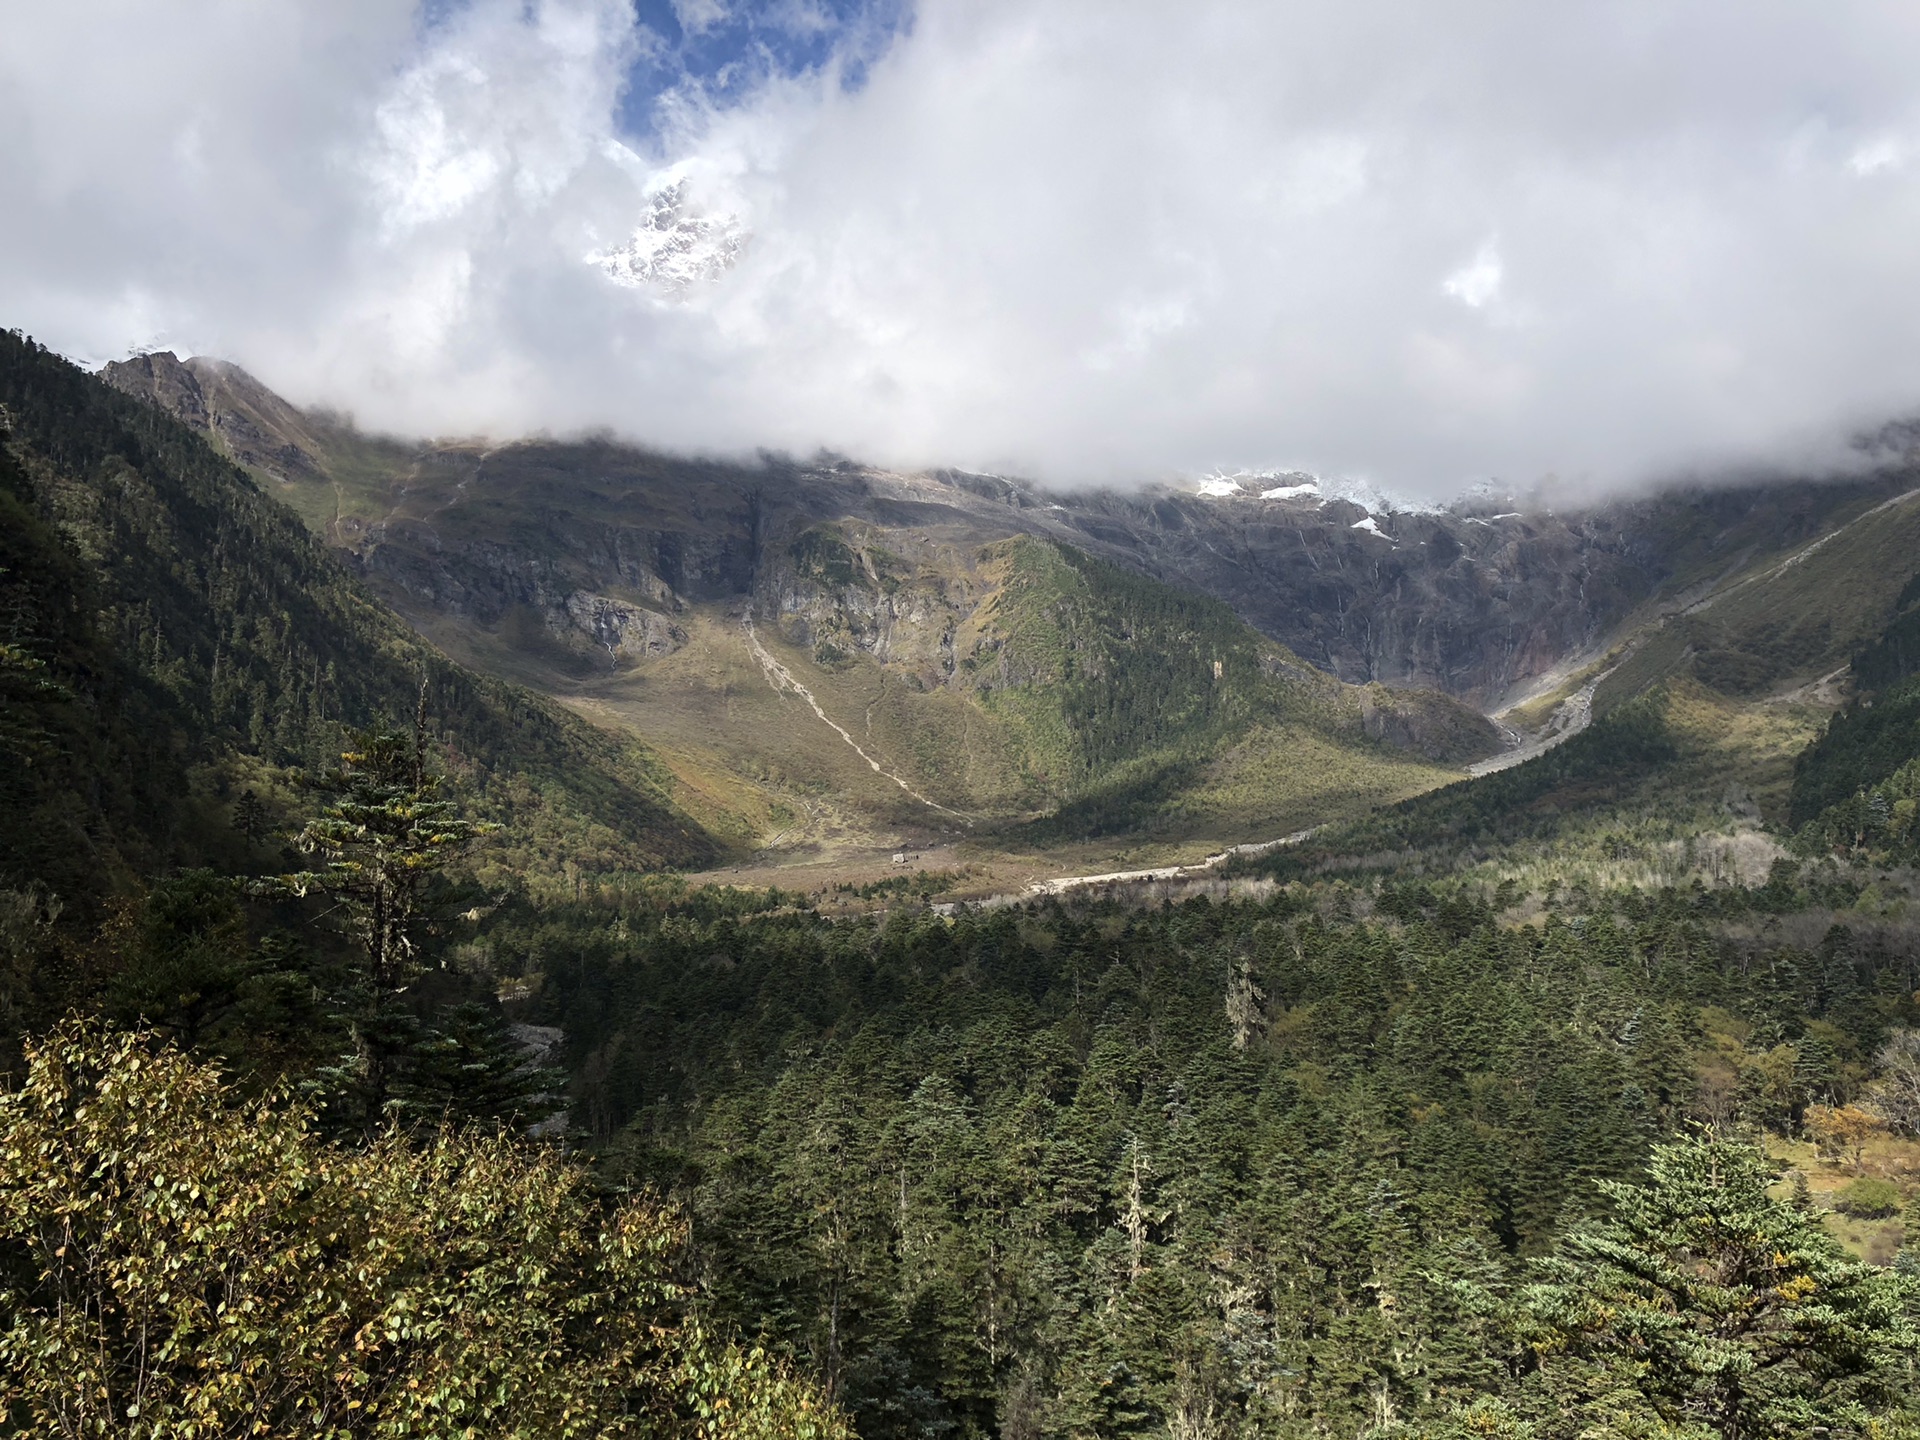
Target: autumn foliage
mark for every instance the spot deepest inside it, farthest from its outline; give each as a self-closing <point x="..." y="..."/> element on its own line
<point x="176" y="1262"/>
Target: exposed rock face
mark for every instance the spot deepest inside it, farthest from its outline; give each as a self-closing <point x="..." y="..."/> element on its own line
<point x="851" y="588"/>
<point x="162" y="378"/>
<point x="623" y="630"/>
<point x="1466" y="602"/>
<point x="1470" y="604"/>
<point x="251" y="423"/>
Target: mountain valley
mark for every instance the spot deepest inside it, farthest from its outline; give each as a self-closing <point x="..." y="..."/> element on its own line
<point x="837" y="664"/>
<point x="933" y="720"/>
<point x="1008" y="963"/>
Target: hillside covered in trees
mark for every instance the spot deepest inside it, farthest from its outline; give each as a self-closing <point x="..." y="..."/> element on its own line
<point x="369" y="1072"/>
<point x="1285" y="1165"/>
<point x="173" y="635"/>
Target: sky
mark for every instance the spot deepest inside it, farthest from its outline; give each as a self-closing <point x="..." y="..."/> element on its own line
<point x="1593" y="244"/>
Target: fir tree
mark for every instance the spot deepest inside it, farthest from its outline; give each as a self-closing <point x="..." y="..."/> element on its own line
<point x="470" y="1066"/>
<point x="1716" y="1308"/>
<point x="385" y="835"/>
<point x="250" y="816"/>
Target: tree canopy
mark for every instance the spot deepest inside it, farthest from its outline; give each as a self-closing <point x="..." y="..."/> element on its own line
<point x="178" y="1261"/>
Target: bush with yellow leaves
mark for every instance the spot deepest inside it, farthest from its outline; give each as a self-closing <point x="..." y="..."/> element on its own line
<point x="176" y="1261"/>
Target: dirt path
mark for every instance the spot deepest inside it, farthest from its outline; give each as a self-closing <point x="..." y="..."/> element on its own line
<point x="1059" y="885"/>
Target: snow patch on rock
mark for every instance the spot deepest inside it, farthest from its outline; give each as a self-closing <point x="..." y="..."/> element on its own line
<point x="677" y="249"/>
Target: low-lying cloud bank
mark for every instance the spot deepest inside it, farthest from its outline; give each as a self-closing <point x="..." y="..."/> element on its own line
<point x="1413" y="243"/>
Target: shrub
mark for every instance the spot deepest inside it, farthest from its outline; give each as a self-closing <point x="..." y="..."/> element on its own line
<point x="1843" y="1130"/>
<point x="176" y="1262"/>
<point x="1868" y="1199"/>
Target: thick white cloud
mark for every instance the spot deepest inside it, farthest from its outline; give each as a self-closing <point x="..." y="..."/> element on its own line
<point x="1602" y="238"/>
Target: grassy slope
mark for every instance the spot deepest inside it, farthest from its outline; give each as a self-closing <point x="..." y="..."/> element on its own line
<point x="1115" y="715"/>
<point x="1156" y="710"/>
<point x="1783" y="619"/>
<point x="763" y="760"/>
<point x="1681" y="782"/>
<point x="1856" y="790"/>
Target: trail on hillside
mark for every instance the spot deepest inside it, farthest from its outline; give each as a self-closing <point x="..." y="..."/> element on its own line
<point x="782" y="680"/>
<point x="1060" y="884"/>
<point x="1799" y="556"/>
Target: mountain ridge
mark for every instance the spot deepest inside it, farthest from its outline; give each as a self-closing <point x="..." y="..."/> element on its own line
<point x="619" y="580"/>
<point x="1478" y="605"/>
<point x="189" y="639"/>
<point x="610" y="578"/>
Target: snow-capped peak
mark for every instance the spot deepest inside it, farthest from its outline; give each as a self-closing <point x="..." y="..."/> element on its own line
<point x="1317" y="489"/>
<point x="1247" y="484"/>
<point x="676" y="247"/>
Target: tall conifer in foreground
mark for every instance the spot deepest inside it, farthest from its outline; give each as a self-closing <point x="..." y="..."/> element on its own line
<point x="1705" y="1307"/>
<point x="384" y="836"/>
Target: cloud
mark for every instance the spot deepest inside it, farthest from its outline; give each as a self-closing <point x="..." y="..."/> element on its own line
<point x="1089" y="243"/>
<point x="696" y="17"/>
<point x="1475" y="284"/>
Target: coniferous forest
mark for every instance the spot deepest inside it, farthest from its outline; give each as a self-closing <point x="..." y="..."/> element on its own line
<point x="371" y="1071"/>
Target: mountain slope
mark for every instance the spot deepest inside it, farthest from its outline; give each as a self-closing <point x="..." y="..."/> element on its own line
<point x="1794" y="614"/>
<point x="185" y="635"/>
<point x="1021" y="693"/>
<point x="1479" y="601"/>
<point x="1857" y="788"/>
<point x="627" y="583"/>
<point x="1713" y="731"/>
<point x="828" y="656"/>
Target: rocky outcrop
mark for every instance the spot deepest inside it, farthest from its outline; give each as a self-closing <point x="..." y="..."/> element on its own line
<point x="1476" y="603"/>
<point x="623" y="630"/>
<point x="246" y="419"/>
<point x="1425" y="723"/>
<point x="867" y="604"/>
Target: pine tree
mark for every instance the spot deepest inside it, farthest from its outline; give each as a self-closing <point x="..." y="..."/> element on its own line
<point x="469" y="1065"/>
<point x="185" y="960"/>
<point x="250" y="816"/>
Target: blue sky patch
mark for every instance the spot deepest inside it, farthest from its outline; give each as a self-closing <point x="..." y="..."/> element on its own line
<point x="728" y="48"/>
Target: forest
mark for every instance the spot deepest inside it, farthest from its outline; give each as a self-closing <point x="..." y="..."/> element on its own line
<point x="370" y="1072"/>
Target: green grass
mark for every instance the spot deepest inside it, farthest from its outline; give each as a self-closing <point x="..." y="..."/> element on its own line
<point x="1682" y="783"/>
<point x="1783" y="619"/>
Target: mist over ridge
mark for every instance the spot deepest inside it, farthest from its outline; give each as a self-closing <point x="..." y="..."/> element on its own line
<point x="1372" y="243"/>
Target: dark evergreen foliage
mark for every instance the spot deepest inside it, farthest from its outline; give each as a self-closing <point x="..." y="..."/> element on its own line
<point x="1857" y="789"/>
<point x="1092" y="1169"/>
<point x="1896" y="654"/>
<point x="161" y="615"/>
